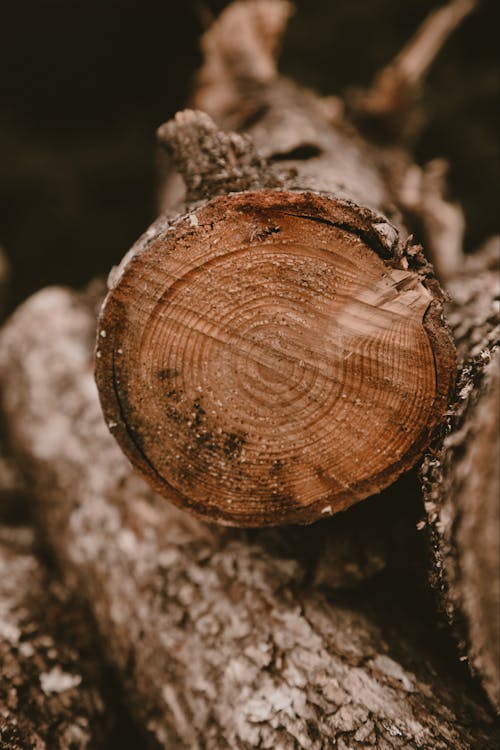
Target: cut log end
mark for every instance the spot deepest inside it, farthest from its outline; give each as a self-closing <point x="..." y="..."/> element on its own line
<point x="266" y="360"/>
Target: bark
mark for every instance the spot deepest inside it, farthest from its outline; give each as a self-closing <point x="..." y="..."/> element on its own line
<point x="461" y="480"/>
<point x="51" y="687"/>
<point x="51" y="690"/>
<point x="222" y="638"/>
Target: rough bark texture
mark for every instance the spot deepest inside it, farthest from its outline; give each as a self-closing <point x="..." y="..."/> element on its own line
<point x="51" y="694"/>
<point x="51" y="687"/>
<point x="213" y="162"/>
<point x="461" y="480"/>
<point x="222" y="640"/>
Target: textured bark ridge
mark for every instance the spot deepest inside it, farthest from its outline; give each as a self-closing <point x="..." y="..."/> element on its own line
<point x="50" y="689"/>
<point x="277" y="354"/>
<point x="221" y="640"/>
<point x="461" y="480"/>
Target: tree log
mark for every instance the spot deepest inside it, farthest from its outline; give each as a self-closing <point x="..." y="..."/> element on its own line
<point x="221" y="640"/>
<point x="277" y="353"/>
<point x="461" y="483"/>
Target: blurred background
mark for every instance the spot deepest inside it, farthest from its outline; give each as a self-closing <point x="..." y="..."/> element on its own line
<point x="85" y="83"/>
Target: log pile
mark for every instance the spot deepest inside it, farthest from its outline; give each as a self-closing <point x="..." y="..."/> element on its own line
<point x="274" y="350"/>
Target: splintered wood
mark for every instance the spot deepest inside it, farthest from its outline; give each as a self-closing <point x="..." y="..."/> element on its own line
<point x="270" y="359"/>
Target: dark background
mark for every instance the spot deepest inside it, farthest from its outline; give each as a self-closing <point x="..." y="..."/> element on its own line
<point x="85" y="83"/>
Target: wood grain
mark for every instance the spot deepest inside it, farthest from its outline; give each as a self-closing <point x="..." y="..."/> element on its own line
<point x="262" y="363"/>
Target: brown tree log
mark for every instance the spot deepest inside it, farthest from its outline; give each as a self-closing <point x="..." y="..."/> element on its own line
<point x="461" y="481"/>
<point x="277" y="353"/>
<point x="222" y="640"/>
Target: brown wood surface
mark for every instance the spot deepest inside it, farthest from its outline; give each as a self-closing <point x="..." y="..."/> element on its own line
<point x="271" y="359"/>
